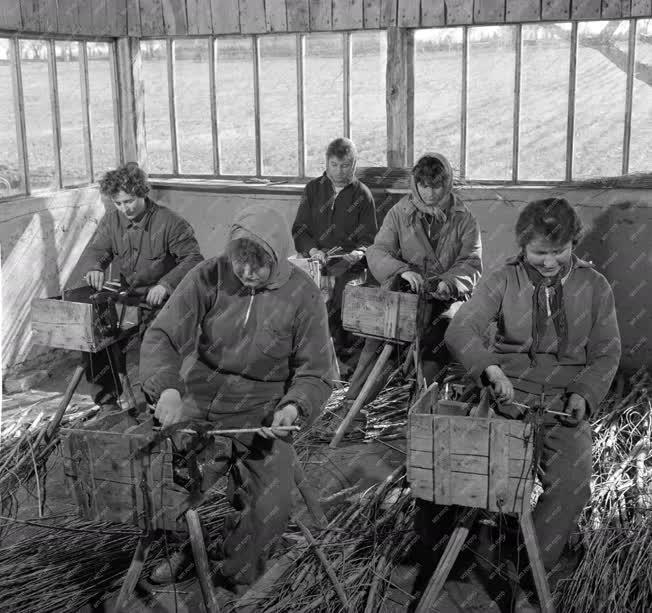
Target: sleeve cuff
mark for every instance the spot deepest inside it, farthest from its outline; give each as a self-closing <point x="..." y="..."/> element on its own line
<point x="583" y="390"/>
<point x="155" y="386"/>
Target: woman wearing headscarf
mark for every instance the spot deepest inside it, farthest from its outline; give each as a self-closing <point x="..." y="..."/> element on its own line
<point x="257" y="329"/>
<point x="430" y="243"/>
<point x="557" y="344"/>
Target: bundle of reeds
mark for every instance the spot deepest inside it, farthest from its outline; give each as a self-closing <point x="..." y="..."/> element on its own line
<point x="615" y="574"/>
<point x="62" y="564"/>
<point x="347" y="566"/>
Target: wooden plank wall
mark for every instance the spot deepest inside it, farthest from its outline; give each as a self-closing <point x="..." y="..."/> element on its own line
<point x="200" y="17"/>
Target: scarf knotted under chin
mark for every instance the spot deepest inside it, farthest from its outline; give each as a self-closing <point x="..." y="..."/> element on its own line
<point x="540" y="304"/>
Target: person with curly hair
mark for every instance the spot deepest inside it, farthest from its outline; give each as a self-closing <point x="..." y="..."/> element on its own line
<point x="154" y="248"/>
<point x="557" y="341"/>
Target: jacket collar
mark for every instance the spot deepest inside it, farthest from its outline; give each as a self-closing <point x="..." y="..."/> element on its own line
<point x="145" y="219"/>
<point x="408" y="207"/>
<point x="325" y="180"/>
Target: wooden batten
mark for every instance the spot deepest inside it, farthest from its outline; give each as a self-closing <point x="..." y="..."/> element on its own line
<point x="371" y="14"/>
<point x="409" y="13"/>
<point x="321" y="15"/>
<point x="555" y="10"/>
<point x="641" y="8"/>
<point x="517" y="11"/>
<point x="252" y="16"/>
<point x="347" y="15"/>
<point x="433" y="13"/>
<point x="388" y="13"/>
<point x="586" y="9"/>
<point x="298" y="15"/>
<point x="489" y="11"/>
<point x="11" y="16"/>
<point x="459" y="12"/>
<point x="175" y="22"/>
<point x="226" y="16"/>
<point x="275" y="16"/>
<point x="200" y="20"/>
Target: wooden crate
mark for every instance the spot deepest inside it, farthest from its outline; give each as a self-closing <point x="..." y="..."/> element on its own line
<point x="383" y="314"/>
<point x="480" y="462"/>
<point x="117" y="474"/>
<point x="74" y="323"/>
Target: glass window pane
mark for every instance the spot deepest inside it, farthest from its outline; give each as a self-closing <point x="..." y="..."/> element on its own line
<point x="193" y="106"/>
<point x="323" y="102"/>
<point x="640" y="151"/>
<point x="368" y="113"/>
<point x="438" y="92"/>
<point x="490" y="114"/>
<point x="600" y="100"/>
<point x="11" y="166"/>
<point x="234" y="84"/>
<point x="278" y="105"/>
<point x="545" y="62"/>
<point x="74" y="169"/>
<point x="157" y="106"/>
<point x="100" y="96"/>
<point x="38" y="113"/>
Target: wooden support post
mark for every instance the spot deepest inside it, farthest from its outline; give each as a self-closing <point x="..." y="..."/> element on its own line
<point x="364" y="392"/>
<point x="455" y="544"/>
<point x="133" y="574"/>
<point x="201" y="561"/>
<point x="399" y="82"/>
<point x="131" y="101"/>
<point x="536" y="564"/>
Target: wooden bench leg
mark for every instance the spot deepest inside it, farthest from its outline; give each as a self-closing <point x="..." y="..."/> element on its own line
<point x="201" y="561"/>
<point x="453" y="548"/>
<point x="362" y="396"/>
<point x="536" y="565"/>
<point x="133" y="574"/>
<point x="63" y="405"/>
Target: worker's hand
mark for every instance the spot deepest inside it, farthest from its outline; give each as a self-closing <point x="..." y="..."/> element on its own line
<point x="443" y="292"/>
<point x="169" y="408"/>
<point x="502" y="385"/>
<point x="282" y="417"/>
<point x="318" y="255"/>
<point x="576" y="409"/>
<point x="355" y="256"/>
<point x="156" y="295"/>
<point x="414" y="279"/>
<point x="95" y="278"/>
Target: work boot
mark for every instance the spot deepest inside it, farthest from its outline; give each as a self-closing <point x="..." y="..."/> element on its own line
<point x="170" y="570"/>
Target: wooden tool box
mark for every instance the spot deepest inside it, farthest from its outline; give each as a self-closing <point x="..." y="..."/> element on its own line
<point x="123" y="473"/>
<point x="383" y="314"/>
<point x="480" y="462"/>
<point x="78" y="324"/>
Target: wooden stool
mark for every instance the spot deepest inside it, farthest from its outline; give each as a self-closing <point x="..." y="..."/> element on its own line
<point x="125" y="475"/>
<point x="393" y="317"/>
<point x="472" y="460"/>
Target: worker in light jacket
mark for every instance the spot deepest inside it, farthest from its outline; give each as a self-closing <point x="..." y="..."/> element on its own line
<point x="152" y="249"/>
<point x="430" y="244"/>
<point x="337" y="213"/>
<point x="557" y="341"/>
<point x="257" y="329"/>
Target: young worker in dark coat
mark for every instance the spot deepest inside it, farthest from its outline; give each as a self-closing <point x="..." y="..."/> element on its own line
<point x="152" y="249"/>
<point x="557" y="336"/>
<point x="258" y="329"/>
<point x="337" y="210"/>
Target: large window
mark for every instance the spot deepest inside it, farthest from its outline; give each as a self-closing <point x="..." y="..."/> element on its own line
<point x="537" y="103"/>
<point x="271" y="106"/>
<point x="58" y="113"/>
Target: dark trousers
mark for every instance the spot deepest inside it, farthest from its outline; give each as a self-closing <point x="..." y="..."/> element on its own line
<point x="259" y="490"/>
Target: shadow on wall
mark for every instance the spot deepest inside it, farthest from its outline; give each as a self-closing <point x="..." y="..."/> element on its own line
<point x="618" y="243"/>
<point x="42" y="241"/>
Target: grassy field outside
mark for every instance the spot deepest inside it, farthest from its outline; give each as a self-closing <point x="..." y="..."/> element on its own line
<point x="599" y="108"/>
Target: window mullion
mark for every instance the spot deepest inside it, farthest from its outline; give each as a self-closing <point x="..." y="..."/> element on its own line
<point x="172" y="107"/>
<point x="115" y="92"/>
<point x="86" y="116"/>
<point x="572" y="81"/>
<point x="19" y="103"/>
<point x="56" y="116"/>
<point x="464" y="102"/>
<point x="631" y="60"/>
<point x="346" y="82"/>
<point x="518" y="50"/>
<point x="212" y="49"/>
<point x="301" y="137"/>
<point x="259" y="144"/>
